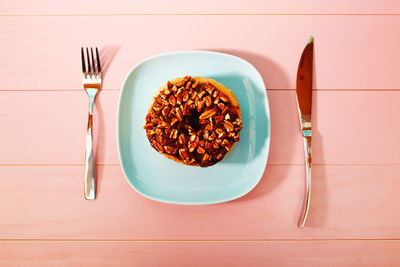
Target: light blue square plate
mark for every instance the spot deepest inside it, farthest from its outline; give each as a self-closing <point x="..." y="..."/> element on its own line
<point x="159" y="178"/>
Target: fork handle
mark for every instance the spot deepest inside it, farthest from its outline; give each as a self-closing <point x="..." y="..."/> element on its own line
<point x="308" y="158"/>
<point x="90" y="174"/>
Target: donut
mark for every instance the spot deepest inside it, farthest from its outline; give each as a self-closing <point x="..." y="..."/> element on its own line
<point x="195" y="121"/>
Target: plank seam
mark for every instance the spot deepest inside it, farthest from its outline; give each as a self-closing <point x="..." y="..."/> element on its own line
<point x="198" y="14"/>
<point x="199" y="240"/>
<point x="269" y="164"/>
<point x="268" y="90"/>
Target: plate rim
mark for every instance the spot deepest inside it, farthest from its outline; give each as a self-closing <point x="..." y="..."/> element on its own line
<point x="267" y="143"/>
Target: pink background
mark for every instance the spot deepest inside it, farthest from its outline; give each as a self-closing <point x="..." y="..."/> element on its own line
<point x="354" y="217"/>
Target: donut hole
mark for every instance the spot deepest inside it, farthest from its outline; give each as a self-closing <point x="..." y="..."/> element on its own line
<point x="194" y="120"/>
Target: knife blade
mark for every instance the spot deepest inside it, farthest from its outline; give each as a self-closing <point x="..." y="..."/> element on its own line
<point x="304" y="103"/>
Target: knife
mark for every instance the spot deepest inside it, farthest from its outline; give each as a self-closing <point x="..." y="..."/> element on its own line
<point x="304" y="101"/>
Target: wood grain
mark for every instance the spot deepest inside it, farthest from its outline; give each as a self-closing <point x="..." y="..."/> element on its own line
<point x="348" y="128"/>
<point x="351" y="52"/>
<point x="322" y="253"/>
<point x="348" y="202"/>
<point x="44" y="7"/>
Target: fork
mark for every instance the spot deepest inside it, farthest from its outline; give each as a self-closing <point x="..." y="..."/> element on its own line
<point x="92" y="84"/>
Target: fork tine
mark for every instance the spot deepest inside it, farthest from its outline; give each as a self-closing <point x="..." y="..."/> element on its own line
<point x="88" y="60"/>
<point x="98" y="60"/>
<point x="93" y="63"/>
<point x="83" y="60"/>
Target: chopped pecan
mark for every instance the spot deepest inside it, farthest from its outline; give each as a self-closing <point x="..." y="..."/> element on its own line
<point x="186" y="109"/>
<point x="187" y="78"/>
<point x="221" y="106"/>
<point x="185" y="97"/>
<point x="212" y="136"/>
<point x="157" y="106"/>
<point x="200" y="150"/>
<point x="179" y="100"/>
<point x="216" y="93"/>
<point x="167" y="91"/>
<point x="199" y="105"/>
<point x="207" y="145"/>
<point x="219" y="156"/>
<point x="162" y="101"/>
<point x="163" y="124"/>
<point x="227" y="116"/>
<point x="148" y="118"/>
<point x="209" y="89"/>
<point x="226" y="109"/>
<point x="219" y="118"/>
<point x="208" y="100"/>
<point x="173" y="121"/>
<point x="150" y="133"/>
<point x="203" y="121"/>
<point x="202" y="93"/>
<point x="188" y="84"/>
<point x="236" y="138"/>
<point x="166" y="111"/>
<point x="152" y="113"/>
<point x="181" y="139"/>
<point x="222" y="135"/>
<point x="195" y="84"/>
<point x="159" y="139"/>
<point x="148" y="126"/>
<point x="174" y="88"/>
<point x="201" y="143"/>
<point x="169" y="85"/>
<point x="179" y="114"/>
<point x="207" y="114"/>
<point x="215" y="145"/>
<point x="226" y="144"/>
<point x="168" y="149"/>
<point x="174" y="134"/>
<point x="158" y="131"/>
<point x="193" y="142"/>
<point x="191" y="131"/>
<point x="172" y="100"/>
<point x="237" y="122"/>
<point x="183" y="154"/>
<point x="158" y="146"/>
<point x="180" y="83"/>
<point x="211" y="121"/>
<point x="194" y="95"/>
<point x="223" y="97"/>
<point x="237" y="129"/>
<point x="216" y="100"/>
<point x="228" y="126"/>
<point x="206" y="157"/>
<point x="219" y="130"/>
<point x="208" y="128"/>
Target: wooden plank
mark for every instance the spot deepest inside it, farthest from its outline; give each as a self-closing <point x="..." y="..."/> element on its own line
<point x="206" y="6"/>
<point x="348" y="202"/>
<point x="320" y="253"/>
<point x="349" y="128"/>
<point x="349" y="51"/>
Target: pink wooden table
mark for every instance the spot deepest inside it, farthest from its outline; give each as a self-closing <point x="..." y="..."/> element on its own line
<point x="355" y="214"/>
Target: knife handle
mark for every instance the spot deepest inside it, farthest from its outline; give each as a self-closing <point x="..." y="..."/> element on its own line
<point x="306" y="205"/>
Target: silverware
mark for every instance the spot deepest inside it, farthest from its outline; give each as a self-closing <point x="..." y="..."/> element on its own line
<point x="92" y="85"/>
<point x="304" y="102"/>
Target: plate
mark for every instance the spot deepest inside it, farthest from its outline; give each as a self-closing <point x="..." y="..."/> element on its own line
<point x="159" y="178"/>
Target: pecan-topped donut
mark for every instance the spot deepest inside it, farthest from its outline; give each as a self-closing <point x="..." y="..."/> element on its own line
<point x="194" y="121"/>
